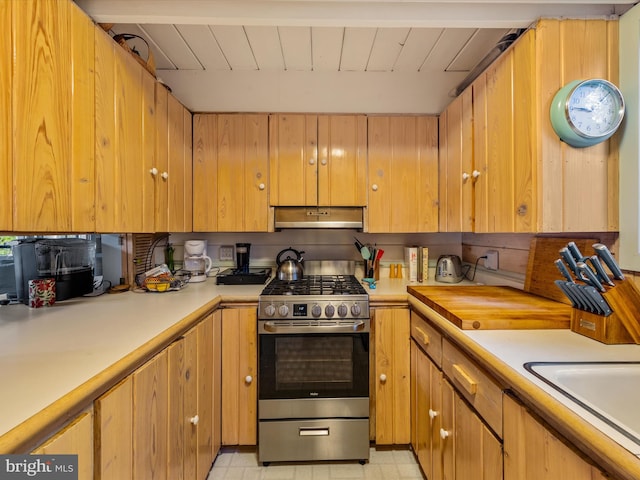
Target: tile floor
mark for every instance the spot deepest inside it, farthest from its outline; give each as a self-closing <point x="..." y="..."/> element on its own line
<point x="387" y="464"/>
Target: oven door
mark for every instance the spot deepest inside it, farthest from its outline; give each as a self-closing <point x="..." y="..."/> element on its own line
<point x="313" y="365"/>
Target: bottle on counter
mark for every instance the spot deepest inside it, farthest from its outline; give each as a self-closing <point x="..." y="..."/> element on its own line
<point x="168" y="257"/>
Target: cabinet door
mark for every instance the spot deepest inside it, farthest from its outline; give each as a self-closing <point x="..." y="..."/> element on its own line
<point x="150" y="176"/>
<point x="293" y="160"/>
<point x="531" y="451"/>
<point x="342" y="160"/>
<point x="230" y="173"/>
<point x="392" y="363"/>
<point x="427" y="415"/>
<point x="217" y="383"/>
<point x="157" y="174"/>
<point x="52" y="103"/>
<point x="150" y="410"/>
<point x="183" y="407"/>
<point x="6" y="123"/>
<point x="114" y="435"/>
<point x="77" y="439"/>
<point x="179" y="167"/>
<point x="239" y="386"/>
<point x="205" y="409"/>
<point x="119" y="138"/>
<point x="403" y="174"/>
<point x="456" y="168"/>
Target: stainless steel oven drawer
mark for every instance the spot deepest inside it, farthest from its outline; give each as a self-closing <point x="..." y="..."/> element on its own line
<point x="304" y="440"/>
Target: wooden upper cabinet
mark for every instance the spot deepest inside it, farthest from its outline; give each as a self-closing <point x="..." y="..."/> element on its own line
<point x="52" y="105"/>
<point x="403" y="174"/>
<point x="179" y="179"/>
<point x="456" y="166"/>
<point x="317" y="160"/>
<point x="230" y="165"/>
<point x="119" y="138"/>
<point x="6" y="123"/>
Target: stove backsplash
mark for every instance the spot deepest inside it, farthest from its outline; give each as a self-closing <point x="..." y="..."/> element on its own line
<point x="317" y="245"/>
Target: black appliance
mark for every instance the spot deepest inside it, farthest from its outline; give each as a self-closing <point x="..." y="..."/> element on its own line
<point x="313" y="393"/>
<point x="252" y="276"/>
<point x="69" y="261"/>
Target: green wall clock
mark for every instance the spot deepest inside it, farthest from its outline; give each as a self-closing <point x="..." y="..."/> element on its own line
<point x="587" y="112"/>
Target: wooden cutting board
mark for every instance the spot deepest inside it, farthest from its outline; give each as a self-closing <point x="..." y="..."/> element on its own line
<point x="483" y="307"/>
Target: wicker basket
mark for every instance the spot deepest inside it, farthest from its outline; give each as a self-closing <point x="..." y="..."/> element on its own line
<point x="125" y="41"/>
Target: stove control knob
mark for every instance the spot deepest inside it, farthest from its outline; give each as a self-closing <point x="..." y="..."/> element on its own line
<point x="283" y="310"/>
<point x="269" y="310"/>
<point x="329" y="311"/>
<point x="356" y="310"/>
<point x="343" y="310"/>
<point x="316" y="310"/>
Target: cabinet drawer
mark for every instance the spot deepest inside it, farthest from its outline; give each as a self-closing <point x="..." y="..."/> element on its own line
<point x="427" y="337"/>
<point x="479" y="389"/>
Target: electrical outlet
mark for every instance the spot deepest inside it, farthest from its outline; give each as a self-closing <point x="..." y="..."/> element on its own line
<point x="491" y="262"/>
<point x="226" y="252"/>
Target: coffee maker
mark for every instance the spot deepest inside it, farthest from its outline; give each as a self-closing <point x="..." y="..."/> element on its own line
<point x="196" y="261"/>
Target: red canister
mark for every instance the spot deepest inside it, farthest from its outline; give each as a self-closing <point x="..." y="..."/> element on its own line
<point x="42" y="292"/>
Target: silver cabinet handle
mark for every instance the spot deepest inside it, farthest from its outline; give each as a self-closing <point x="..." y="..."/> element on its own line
<point x="313" y="431"/>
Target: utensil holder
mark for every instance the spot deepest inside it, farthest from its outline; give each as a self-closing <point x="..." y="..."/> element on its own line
<point x="372" y="269"/>
<point x="622" y="326"/>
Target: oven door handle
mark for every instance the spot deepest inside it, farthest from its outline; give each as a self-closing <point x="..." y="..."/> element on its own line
<point x="313" y="431"/>
<point x="276" y="327"/>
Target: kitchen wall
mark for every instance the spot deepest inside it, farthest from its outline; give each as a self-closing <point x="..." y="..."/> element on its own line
<point x="317" y="244"/>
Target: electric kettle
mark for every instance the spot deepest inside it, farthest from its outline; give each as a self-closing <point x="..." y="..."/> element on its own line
<point x="449" y="269"/>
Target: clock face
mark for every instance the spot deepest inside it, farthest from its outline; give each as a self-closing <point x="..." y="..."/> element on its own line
<point x="586" y="112"/>
<point x="595" y="108"/>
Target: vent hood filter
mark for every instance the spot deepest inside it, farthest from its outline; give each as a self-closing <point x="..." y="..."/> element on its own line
<point x="318" y="217"/>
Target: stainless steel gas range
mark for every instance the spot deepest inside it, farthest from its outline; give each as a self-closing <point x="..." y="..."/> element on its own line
<point x="313" y="370"/>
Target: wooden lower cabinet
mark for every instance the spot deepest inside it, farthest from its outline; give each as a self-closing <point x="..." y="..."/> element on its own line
<point x="163" y="420"/>
<point x="533" y="452"/>
<point x="75" y="439"/>
<point x="391" y="369"/>
<point x="427" y="412"/>
<point x="239" y="370"/>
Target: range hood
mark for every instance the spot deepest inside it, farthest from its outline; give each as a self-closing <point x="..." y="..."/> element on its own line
<point x="318" y="217"/>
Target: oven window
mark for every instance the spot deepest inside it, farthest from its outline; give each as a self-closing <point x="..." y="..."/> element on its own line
<point x="307" y="361"/>
<point x="314" y="366"/>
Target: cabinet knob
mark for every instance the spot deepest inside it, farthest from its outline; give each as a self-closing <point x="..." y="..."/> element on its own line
<point x="444" y="434"/>
<point x="153" y="171"/>
<point x="312" y="161"/>
<point x="248" y="379"/>
<point x="261" y="186"/>
<point x="164" y="175"/>
<point x="374" y="187"/>
<point x="194" y="420"/>
<point x="324" y="161"/>
<point x="465" y="176"/>
<point x="432" y="414"/>
<point x="475" y="174"/>
<point x="383" y="378"/>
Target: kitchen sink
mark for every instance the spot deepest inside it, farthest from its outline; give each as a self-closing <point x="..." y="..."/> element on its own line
<point x="608" y="390"/>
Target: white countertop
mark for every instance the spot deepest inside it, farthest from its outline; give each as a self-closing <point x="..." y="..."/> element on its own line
<point x="517" y="347"/>
<point x="47" y="352"/>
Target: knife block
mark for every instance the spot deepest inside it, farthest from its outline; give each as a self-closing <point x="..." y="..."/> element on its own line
<point x="622" y="326"/>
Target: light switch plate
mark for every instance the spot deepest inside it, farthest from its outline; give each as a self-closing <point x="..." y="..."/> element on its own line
<point x="226" y="252"/>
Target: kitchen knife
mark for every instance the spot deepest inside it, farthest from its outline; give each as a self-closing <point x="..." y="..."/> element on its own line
<point x="584" y="302"/>
<point x="567" y="257"/>
<point x="600" y="272"/>
<point x="586" y="275"/>
<point x="575" y="252"/>
<point x="565" y="289"/>
<point x="605" y="255"/>
<point x="596" y="296"/>
<point x="564" y="270"/>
